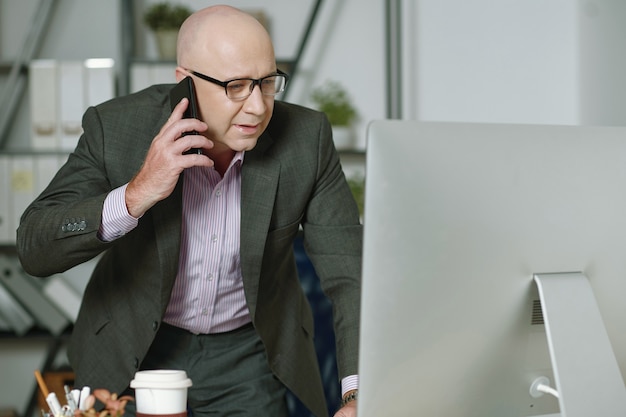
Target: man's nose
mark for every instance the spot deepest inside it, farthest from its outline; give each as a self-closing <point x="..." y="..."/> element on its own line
<point x="255" y="102"/>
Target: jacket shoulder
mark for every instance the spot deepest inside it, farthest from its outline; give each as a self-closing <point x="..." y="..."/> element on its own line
<point x="293" y="119"/>
<point x="285" y="109"/>
<point x="146" y="109"/>
<point x="156" y="95"/>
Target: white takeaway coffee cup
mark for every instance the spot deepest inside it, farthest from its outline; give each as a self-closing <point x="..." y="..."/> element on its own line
<point x="161" y="392"/>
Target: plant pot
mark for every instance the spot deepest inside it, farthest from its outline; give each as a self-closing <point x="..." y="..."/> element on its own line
<point x="343" y="136"/>
<point x="166" y="43"/>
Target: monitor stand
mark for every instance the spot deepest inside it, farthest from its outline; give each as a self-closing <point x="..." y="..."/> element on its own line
<point x="587" y="376"/>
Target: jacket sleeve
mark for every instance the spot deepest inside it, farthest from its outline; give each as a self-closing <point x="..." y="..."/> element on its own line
<point x="59" y="229"/>
<point x="333" y="241"/>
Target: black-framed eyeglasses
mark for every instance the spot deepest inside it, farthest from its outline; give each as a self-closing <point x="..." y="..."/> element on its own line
<point x="241" y="88"/>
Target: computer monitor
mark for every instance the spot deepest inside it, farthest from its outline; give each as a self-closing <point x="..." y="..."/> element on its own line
<point x="459" y="219"/>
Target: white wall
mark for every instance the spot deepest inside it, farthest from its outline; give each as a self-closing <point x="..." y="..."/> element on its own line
<point x="602" y="63"/>
<point x="492" y="61"/>
<point x="531" y="61"/>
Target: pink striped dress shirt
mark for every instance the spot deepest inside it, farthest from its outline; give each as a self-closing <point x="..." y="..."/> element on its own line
<point x="208" y="295"/>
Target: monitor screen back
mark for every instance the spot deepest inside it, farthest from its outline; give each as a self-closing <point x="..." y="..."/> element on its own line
<point x="458" y="218"/>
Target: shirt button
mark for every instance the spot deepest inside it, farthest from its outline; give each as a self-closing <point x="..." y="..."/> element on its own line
<point x="213" y="238"/>
<point x="205" y="311"/>
<point x="210" y="277"/>
<point x="218" y="192"/>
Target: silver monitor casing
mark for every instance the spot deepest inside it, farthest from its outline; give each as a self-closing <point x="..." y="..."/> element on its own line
<point x="459" y="217"/>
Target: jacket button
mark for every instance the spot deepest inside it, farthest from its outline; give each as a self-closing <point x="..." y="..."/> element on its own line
<point x="136" y="363"/>
<point x="155" y="325"/>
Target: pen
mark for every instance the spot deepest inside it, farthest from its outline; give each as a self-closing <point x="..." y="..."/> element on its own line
<point x="42" y="384"/>
<point x="70" y="399"/>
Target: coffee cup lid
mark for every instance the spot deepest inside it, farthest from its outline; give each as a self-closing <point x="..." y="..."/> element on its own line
<point x="161" y="379"/>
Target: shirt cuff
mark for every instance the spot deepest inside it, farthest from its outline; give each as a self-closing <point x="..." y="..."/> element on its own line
<point x="349" y="383"/>
<point x="116" y="221"/>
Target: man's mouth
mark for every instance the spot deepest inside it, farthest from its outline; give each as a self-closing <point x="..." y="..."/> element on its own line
<point x="248" y="129"/>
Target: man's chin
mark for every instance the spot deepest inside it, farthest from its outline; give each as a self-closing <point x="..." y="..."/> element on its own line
<point x="244" y="144"/>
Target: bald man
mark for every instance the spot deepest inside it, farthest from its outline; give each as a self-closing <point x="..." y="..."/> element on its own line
<point x="197" y="270"/>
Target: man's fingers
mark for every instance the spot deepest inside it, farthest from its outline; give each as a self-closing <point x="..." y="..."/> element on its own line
<point x="187" y="142"/>
<point x="179" y="109"/>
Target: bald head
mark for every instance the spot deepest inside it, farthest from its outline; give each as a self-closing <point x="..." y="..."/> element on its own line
<point x="222" y="34"/>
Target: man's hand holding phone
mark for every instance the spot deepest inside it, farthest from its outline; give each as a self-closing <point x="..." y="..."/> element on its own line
<point x="189" y="139"/>
<point x="166" y="159"/>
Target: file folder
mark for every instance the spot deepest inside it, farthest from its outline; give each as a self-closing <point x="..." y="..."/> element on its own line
<point x="140" y="77"/>
<point x="145" y="75"/>
<point x="4" y="325"/>
<point x="63" y="295"/>
<point x="13" y="315"/>
<point x="43" y="91"/>
<point x="29" y="294"/>
<point x="163" y="74"/>
<point x="71" y="102"/>
<point x="100" y="80"/>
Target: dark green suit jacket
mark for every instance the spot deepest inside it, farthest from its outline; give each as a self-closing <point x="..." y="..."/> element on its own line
<point x="292" y="178"/>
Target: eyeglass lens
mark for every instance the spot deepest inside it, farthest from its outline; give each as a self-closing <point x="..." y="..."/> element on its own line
<point x="270" y="86"/>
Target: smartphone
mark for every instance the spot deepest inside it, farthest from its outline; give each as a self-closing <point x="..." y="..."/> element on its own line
<point x="185" y="88"/>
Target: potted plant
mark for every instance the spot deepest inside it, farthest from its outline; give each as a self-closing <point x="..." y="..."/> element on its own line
<point x="333" y="99"/>
<point x="164" y="20"/>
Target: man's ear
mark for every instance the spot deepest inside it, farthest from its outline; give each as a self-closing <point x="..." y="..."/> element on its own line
<point x="181" y="73"/>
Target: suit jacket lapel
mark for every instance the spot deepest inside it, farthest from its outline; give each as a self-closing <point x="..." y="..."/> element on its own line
<point x="259" y="181"/>
<point x="167" y="219"/>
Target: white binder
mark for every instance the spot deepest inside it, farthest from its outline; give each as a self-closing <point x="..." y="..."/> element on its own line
<point x="140" y="77"/>
<point x="100" y="80"/>
<point x="14" y="317"/>
<point x="28" y="292"/>
<point x="63" y="295"/>
<point x="163" y="74"/>
<point x="145" y="75"/>
<point x="71" y="102"/>
<point x="43" y="104"/>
